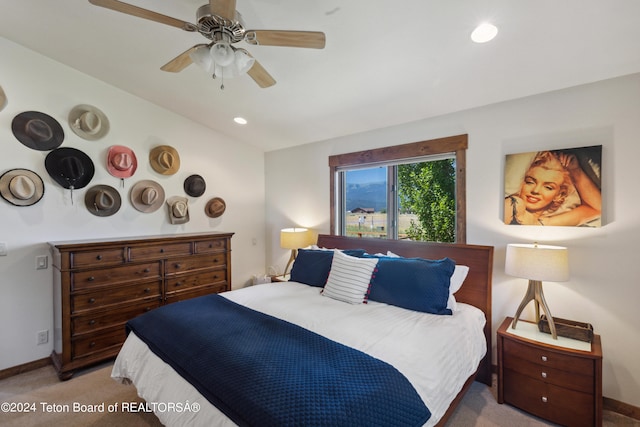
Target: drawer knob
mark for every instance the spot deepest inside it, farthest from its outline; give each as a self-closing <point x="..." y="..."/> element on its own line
<point x="92" y="322"/>
<point x="146" y="270"/>
<point x="99" y="257"/>
<point x="177" y="265"/>
<point x="544" y="399"/>
<point x="92" y="344"/>
<point x="544" y="375"/>
<point x="178" y="283"/>
<point x="544" y="358"/>
<point x="91" y="279"/>
<point x="92" y="300"/>
<point x="146" y="291"/>
<point x="162" y="250"/>
<point x="147" y="309"/>
<point x="215" y="260"/>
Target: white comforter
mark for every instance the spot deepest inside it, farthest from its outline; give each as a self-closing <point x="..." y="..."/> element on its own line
<point x="436" y="353"/>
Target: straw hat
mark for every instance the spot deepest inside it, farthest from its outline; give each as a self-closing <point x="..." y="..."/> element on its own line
<point x="102" y="200"/>
<point x="146" y="196"/>
<point x="88" y="122"/>
<point x="21" y="187"/>
<point x="178" y="209"/>
<point x="121" y="161"/>
<point x="215" y="207"/>
<point x="3" y="99"/>
<point x="164" y="159"/>
<point x="194" y="186"/>
<point x="37" y="130"/>
<point x="69" y="167"/>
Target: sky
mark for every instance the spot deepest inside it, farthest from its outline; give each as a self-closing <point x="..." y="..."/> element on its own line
<point x="362" y="176"/>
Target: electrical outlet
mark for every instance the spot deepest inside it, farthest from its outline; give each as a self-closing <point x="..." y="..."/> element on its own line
<point x="43" y="337"/>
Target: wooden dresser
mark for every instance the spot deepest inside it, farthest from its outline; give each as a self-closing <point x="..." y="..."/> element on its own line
<point x="559" y="384"/>
<point x="100" y="284"/>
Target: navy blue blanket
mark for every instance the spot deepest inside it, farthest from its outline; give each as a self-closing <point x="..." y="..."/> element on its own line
<point x="263" y="371"/>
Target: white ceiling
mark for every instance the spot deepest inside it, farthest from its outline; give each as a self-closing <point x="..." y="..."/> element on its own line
<point x="385" y="62"/>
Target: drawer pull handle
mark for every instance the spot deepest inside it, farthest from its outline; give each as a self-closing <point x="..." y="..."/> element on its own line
<point x="544" y="375"/>
<point x="178" y="283"/>
<point x="146" y="291"/>
<point x="92" y="322"/>
<point x="177" y="265"/>
<point x="215" y="276"/>
<point x="215" y="260"/>
<point x="544" y="399"/>
<point x="210" y="245"/>
<point x="92" y="344"/>
<point x="91" y="279"/>
<point x="92" y="300"/>
<point x="99" y="257"/>
<point x="162" y="250"/>
<point x="146" y="270"/>
<point x="544" y="358"/>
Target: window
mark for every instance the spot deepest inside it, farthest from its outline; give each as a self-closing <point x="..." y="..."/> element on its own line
<point x="414" y="190"/>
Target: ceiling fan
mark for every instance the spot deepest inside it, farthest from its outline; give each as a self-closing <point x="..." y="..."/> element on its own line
<point x="219" y="22"/>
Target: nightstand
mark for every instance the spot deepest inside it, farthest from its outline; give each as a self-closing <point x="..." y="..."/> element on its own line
<point x="560" y="381"/>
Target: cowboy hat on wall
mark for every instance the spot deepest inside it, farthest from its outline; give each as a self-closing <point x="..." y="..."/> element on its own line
<point x="146" y="196"/>
<point x="164" y="159"/>
<point x="38" y="131"/>
<point x="69" y="167"/>
<point x="3" y="99"/>
<point x="21" y="187"/>
<point x="102" y="200"/>
<point x="88" y="122"/>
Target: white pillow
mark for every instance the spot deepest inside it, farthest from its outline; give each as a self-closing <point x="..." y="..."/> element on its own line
<point x="455" y="283"/>
<point x="349" y="278"/>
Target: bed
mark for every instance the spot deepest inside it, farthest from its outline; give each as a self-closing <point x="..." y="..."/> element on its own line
<point x="313" y="359"/>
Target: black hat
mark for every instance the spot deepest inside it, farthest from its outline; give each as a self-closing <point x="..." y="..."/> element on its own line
<point x="37" y="131"/>
<point x="69" y="167"/>
<point x="194" y="186"/>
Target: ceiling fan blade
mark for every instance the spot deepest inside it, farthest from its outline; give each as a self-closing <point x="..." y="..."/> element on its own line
<point x="258" y="73"/>
<point x="181" y="61"/>
<point x="224" y="8"/>
<point x="310" y="39"/>
<point x="130" y="9"/>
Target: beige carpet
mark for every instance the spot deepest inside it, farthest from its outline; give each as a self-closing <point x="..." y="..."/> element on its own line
<point x="40" y="390"/>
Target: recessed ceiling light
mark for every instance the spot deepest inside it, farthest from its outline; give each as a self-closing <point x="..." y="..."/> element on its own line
<point x="240" y="120"/>
<point x="484" y="33"/>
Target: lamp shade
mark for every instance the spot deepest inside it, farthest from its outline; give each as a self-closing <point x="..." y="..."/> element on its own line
<point x="537" y="262"/>
<point x="294" y="238"/>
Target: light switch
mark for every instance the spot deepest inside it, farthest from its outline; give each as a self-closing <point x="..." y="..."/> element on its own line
<point x="42" y="262"/>
<point x="3" y="249"/>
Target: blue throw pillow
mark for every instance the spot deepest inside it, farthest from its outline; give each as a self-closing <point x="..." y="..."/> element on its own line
<point x="312" y="266"/>
<point x="413" y="283"/>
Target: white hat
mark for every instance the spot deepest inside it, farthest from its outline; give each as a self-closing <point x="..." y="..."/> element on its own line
<point x="88" y="122"/>
<point x="178" y="209"/>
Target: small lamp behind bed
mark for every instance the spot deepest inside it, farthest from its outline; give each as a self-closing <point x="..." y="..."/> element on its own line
<point x="537" y="263"/>
<point x="293" y="238"/>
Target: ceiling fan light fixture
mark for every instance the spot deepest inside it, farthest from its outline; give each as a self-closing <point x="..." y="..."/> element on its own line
<point x="243" y="62"/>
<point x="222" y="54"/>
<point x="484" y="32"/>
<point x="201" y="57"/>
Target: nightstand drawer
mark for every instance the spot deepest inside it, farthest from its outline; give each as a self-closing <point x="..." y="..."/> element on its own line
<point x="549" y="358"/>
<point x="562" y="406"/>
<point x="547" y="374"/>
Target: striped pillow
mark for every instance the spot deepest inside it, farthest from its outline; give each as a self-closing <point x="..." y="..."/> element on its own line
<point x="349" y="278"/>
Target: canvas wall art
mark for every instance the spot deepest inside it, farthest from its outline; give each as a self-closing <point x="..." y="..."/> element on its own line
<point x="554" y="188"/>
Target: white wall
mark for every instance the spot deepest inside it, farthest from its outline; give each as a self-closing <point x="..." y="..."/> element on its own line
<point x="232" y="170"/>
<point x="605" y="267"/>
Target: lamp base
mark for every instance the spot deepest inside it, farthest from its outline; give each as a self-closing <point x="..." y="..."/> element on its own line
<point x="294" y="253"/>
<point x="534" y="293"/>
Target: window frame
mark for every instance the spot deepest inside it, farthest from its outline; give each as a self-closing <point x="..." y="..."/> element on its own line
<point x="457" y="144"/>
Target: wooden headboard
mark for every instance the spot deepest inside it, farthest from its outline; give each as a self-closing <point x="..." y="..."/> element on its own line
<point x="476" y="289"/>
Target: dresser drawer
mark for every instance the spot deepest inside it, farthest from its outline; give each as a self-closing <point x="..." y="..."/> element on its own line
<point x="115" y="295"/>
<point x="199" y="291"/>
<point x="186" y="281"/>
<point x="547" y="374"/>
<point x="165" y="250"/>
<point x="211" y="245"/>
<point x="549" y="358"/>
<point x="557" y="404"/>
<point x="191" y="263"/>
<point x="96" y="320"/>
<point x="106" y="344"/>
<point x="97" y="258"/>
<point x="109" y="276"/>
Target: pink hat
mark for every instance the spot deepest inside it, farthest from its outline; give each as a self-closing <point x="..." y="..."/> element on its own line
<point x="121" y="161"/>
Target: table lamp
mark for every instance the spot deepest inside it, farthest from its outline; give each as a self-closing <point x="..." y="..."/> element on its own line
<point x="537" y="263"/>
<point x="293" y="238"/>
